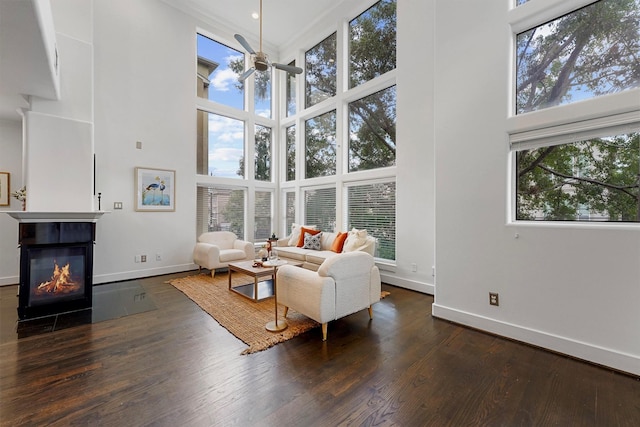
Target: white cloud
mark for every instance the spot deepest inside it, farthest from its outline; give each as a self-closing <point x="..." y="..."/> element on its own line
<point x="224" y="80"/>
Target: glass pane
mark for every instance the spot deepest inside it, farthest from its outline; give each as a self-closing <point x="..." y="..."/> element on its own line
<point x="519" y="2"/>
<point x="372" y="131"/>
<point x="587" y="53"/>
<point x="291" y="153"/>
<point x="320" y="208"/>
<point x="320" y="71"/>
<point x="373" y="207"/>
<point x="592" y="180"/>
<point x="262" y="93"/>
<point x="262" y="216"/>
<point x="220" y="146"/>
<point x="263" y="153"/>
<point x="372" y="43"/>
<point x="219" y="67"/>
<point x="221" y="209"/>
<point x="290" y="211"/>
<point x="320" y="142"/>
<point x="291" y="92"/>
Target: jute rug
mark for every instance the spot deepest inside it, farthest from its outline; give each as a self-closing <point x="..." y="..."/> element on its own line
<point x="241" y="316"/>
<point x="244" y="318"/>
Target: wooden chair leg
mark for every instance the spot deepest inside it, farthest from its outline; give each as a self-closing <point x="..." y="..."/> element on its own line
<point x="286" y="310"/>
<point x="370" y="312"/>
<point x="213" y="272"/>
<point x="324" y="332"/>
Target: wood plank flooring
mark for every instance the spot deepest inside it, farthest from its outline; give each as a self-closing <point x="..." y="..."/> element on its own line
<point x="176" y="366"/>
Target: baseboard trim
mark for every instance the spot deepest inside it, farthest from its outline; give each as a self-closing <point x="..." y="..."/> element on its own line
<point x="425" y="288"/>
<point x="139" y="274"/>
<point x="9" y="280"/>
<point x="626" y="363"/>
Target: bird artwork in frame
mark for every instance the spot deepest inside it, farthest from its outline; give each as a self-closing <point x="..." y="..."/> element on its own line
<point x="155" y="189"/>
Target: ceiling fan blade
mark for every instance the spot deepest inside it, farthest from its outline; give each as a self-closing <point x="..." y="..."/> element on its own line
<point x="246" y="74"/>
<point x="288" y="68"/>
<point x="244" y="44"/>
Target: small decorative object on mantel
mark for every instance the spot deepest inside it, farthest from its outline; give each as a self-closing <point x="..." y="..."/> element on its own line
<point x="21" y="195"/>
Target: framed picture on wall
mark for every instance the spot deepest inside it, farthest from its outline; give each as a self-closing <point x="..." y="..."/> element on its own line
<point x="155" y="190"/>
<point x="5" y="190"/>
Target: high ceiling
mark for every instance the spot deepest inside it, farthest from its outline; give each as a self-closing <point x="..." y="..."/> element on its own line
<point x="282" y="19"/>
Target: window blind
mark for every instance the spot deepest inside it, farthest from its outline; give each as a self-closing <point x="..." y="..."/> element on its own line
<point x="320" y="208"/>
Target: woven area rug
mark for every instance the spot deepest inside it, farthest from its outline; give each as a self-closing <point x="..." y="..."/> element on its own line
<point x="244" y="318"/>
<point x="241" y="316"/>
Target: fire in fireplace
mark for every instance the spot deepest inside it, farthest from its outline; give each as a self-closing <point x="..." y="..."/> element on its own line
<point x="56" y="268"/>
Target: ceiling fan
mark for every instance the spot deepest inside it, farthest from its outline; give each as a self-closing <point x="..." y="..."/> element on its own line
<point x="260" y="60"/>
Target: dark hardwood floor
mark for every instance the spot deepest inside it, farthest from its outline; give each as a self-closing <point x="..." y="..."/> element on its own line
<point x="176" y="366"/>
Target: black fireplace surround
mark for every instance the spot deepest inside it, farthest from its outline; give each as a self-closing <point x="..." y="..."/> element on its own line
<point x="56" y="267"/>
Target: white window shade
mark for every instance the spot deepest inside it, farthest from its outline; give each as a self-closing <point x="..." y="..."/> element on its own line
<point x="372" y="207"/>
<point x="577" y="131"/>
<point x="320" y="208"/>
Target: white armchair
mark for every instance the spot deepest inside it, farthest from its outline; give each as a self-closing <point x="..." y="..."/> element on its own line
<point x="216" y="249"/>
<point x="344" y="284"/>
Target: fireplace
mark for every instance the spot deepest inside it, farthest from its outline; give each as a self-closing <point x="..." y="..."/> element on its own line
<point x="56" y="267"/>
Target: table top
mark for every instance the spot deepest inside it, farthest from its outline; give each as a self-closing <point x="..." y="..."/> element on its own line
<point x="274" y="263"/>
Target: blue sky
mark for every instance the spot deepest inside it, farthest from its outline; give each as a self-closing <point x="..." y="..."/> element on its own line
<point x="226" y="135"/>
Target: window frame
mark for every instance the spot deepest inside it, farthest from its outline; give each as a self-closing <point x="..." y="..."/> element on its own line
<point x="565" y="122"/>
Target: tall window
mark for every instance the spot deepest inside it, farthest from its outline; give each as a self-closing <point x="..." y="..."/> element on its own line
<point x="320" y="71"/>
<point x="218" y="70"/>
<point x="372" y="43"/>
<point x="320" y="144"/>
<point x="291" y="153"/>
<point x="263" y="216"/>
<point x="220" y="209"/>
<point x="585" y="166"/>
<point x="372" y="131"/>
<point x="373" y="207"/>
<point x="262" y="93"/>
<point x="263" y="153"/>
<point x="220" y="146"/>
<point x="320" y="208"/>
<point x="590" y="52"/>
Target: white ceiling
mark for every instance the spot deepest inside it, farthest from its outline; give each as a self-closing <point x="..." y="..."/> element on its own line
<point x="282" y="19"/>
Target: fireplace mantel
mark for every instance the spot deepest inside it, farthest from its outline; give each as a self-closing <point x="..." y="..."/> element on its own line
<point x="27" y="216"/>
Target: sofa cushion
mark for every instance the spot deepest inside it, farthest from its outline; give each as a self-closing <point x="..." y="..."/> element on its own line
<point x="312" y="241"/>
<point x="356" y="240"/>
<point x="304" y="230"/>
<point x="338" y="242"/>
<point x="318" y="257"/>
<point x="292" y="252"/>
<point x="295" y="233"/>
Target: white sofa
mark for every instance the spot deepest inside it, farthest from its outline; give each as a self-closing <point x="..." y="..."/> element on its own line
<point x="357" y="240"/>
<point x="342" y="285"/>
<point x="216" y="249"/>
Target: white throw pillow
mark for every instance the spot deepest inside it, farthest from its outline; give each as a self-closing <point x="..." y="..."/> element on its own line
<point x="356" y="240"/>
<point x="295" y="233"/>
<point x="312" y="241"/>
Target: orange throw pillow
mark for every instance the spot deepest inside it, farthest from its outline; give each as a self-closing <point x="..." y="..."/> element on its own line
<point x="338" y="243"/>
<point x="305" y="230"/>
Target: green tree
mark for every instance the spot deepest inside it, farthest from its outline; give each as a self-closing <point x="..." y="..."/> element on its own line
<point x="590" y="52"/>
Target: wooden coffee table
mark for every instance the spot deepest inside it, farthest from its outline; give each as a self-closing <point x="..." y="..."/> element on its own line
<point x="259" y="289"/>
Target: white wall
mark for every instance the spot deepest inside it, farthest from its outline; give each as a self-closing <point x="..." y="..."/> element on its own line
<point x="571" y="288"/>
<point x="144" y="91"/>
<point x="10" y="161"/>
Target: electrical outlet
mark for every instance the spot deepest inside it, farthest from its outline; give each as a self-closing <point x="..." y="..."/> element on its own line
<point x="493" y="298"/>
<point x="136" y="258"/>
<point x="414" y="267"/>
<point x="143" y="258"/>
<point x="158" y="257"/>
<point x="117" y="205"/>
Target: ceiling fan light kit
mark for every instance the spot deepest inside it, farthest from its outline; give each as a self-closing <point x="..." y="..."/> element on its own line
<point x="259" y="59"/>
